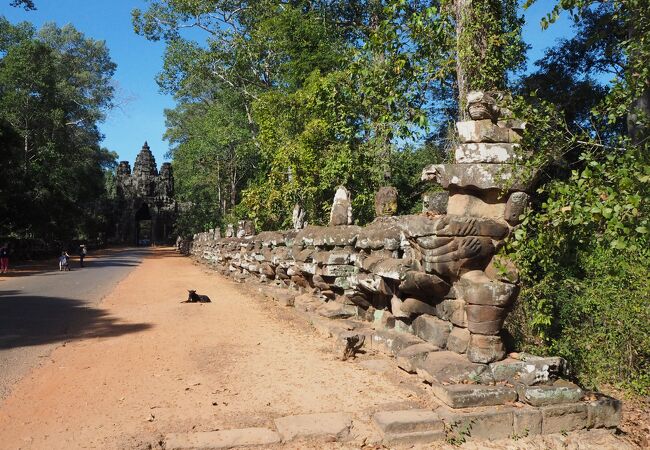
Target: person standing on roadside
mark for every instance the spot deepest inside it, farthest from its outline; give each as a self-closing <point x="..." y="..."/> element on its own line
<point x="4" y="258"/>
<point x="82" y="254"/>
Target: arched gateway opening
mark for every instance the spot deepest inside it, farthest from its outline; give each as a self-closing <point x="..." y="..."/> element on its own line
<point x="143" y="228"/>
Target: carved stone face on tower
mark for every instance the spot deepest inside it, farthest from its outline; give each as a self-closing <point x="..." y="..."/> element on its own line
<point x="144" y="186"/>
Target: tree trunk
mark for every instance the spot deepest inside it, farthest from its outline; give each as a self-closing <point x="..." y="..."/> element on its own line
<point x="639" y="114"/>
<point x="462" y="9"/>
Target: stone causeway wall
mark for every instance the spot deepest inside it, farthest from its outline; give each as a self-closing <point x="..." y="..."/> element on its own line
<point x="431" y="289"/>
<point x="435" y="277"/>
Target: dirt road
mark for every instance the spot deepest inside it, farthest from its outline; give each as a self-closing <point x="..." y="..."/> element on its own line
<point x="237" y="362"/>
<point x="41" y="307"/>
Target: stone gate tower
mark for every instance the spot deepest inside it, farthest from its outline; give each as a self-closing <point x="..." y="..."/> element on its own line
<point x="146" y="209"/>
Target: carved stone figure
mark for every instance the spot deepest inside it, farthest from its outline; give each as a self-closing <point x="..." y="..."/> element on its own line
<point x="341" y="208"/>
<point x="386" y="201"/>
<point x="298" y="217"/>
<point x="230" y="230"/>
<point x="245" y="228"/>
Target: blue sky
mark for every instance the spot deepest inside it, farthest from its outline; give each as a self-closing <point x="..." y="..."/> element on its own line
<point x="140" y="116"/>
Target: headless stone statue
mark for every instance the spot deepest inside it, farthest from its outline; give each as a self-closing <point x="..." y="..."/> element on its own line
<point x="341" y="208"/>
<point x="298" y="217"/>
<point x="245" y="228"/>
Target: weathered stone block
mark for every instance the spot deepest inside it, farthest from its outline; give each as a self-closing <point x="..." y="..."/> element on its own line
<point x="452" y="310"/>
<point x="403" y="325"/>
<point x="335" y="426"/>
<point x="479" y="176"/>
<point x="563" y="418"/>
<point x="556" y="366"/>
<point x="527" y="422"/>
<point x="507" y="369"/>
<point x="300" y="281"/>
<point x="563" y="392"/>
<point x="339" y="270"/>
<point x="432" y="330"/>
<point x="416" y="438"/>
<point x="604" y="412"/>
<point x="319" y="283"/>
<point x="393" y="342"/>
<point x="343" y="282"/>
<point x="414" y="306"/>
<point x="336" y="257"/>
<point x="458" y="340"/>
<point x="423" y="285"/>
<point x="412" y="357"/>
<point x="461" y="204"/>
<point x="435" y="202"/>
<point x="372" y="284"/>
<point x="335" y="310"/>
<point x="473" y="395"/>
<point x="382" y="233"/>
<point x="485" y="319"/>
<point x="407" y="421"/>
<point x="483" y="425"/>
<point x="515" y="207"/>
<point x="476" y="288"/>
<point x="485" y="349"/>
<point x="486" y="153"/>
<point x="310" y="268"/>
<point x="530" y="370"/>
<point x="485" y="131"/>
<point x="384" y="320"/>
<point x="449" y="367"/>
<point x="394" y="269"/>
<point x="396" y="308"/>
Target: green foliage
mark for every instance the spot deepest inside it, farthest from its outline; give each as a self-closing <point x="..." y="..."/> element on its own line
<point x="55" y="85"/>
<point x="490" y="43"/>
<point x="582" y="249"/>
<point x="584" y="261"/>
<point x="213" y="156"/>
<point x="331" y="94"/>
<point x="27" y="5"/>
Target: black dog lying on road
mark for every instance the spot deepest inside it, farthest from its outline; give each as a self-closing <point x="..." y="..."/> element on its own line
<point x="197" y="298"/>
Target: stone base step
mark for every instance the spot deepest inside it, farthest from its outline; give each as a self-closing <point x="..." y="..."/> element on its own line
<point x="416" y="438"/>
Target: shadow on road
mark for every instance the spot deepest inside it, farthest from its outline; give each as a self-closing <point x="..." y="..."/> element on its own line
<point x="34" y="320"/>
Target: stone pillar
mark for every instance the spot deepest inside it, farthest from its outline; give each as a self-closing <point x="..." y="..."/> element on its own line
<point x="488" y="188"/>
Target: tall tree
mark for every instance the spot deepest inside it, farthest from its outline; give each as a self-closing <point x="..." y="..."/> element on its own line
<point x="55" y="85"/>
<point x="488" y="44"/>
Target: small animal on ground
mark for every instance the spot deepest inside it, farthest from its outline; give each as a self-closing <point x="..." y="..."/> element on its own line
<point x="353" y="345"/>
<point x="197" y="298"/>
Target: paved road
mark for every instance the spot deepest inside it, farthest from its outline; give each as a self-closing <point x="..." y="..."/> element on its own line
<point x="40" y="311"/>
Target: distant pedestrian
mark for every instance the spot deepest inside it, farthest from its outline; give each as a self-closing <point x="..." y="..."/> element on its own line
<point x="4" y="258"/>
<point x="64" y="262"/>
<point x="82" y="254"/>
